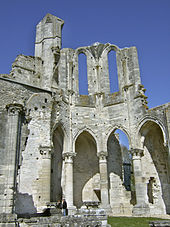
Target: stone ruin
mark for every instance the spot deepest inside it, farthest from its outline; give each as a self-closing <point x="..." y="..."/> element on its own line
<point x="56" y="142"/>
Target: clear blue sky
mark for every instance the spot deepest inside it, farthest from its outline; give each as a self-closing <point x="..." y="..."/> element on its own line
<point x="141" y="23"/>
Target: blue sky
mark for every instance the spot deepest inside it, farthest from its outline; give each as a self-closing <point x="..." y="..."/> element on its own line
<point x="141" y="23"/>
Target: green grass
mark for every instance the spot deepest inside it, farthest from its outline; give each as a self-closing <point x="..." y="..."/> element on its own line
<point x="130" y="221"/>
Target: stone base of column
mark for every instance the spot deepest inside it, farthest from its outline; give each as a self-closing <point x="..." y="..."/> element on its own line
<point x="141" y="210"/>
<point x="72" y="210"/>
<point x="107" y="208"/>
<point x="7" y="219"/>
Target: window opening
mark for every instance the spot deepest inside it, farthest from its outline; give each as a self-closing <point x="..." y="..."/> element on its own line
<point x="113" y="76"/>
<point x="83" y="81"/>
<point x="150" y="189"/>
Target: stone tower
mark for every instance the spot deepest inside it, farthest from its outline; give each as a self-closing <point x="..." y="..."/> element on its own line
<point x="55" y="142"/>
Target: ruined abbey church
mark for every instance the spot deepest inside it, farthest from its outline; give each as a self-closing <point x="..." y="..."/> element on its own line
<point x="57" y="143"/>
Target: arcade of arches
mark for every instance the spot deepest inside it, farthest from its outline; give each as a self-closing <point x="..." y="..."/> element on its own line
<point x="58" y="140"/>
<point x="109" y="177"/>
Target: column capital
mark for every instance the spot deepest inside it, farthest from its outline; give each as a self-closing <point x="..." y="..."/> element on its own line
<point x="45" y="151"/>
<point x="102" y="155"/>
<point x="14" y="108"/>
<point x="68" y="156"/>
<point x="137" y="152"/>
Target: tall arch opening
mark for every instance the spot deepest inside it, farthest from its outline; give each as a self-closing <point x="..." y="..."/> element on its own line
<point x="56" y="165"/>
<point x="86" y="170"/>
<point x="82" y="69"/>
<point x="155" y="166"/>
<point x="119" y="172"/>
<point x="113" y="76"/>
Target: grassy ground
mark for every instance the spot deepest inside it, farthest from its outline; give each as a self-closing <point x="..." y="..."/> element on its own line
<point x="130" y="221"/>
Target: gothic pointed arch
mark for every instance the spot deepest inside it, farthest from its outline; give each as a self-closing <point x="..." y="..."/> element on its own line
<point x="119" y="167"/>
<point x="116" y="151"/>
<point x="65" y="133"/>
<point x="57" y="164"/>
<point x="155" y="120"/>
<point x="112" y="129"/>
<point x="85" y="169"/>
<point x="110" y="47"/>
<point x="155" y="164"/>
<point x="88" y="130"/>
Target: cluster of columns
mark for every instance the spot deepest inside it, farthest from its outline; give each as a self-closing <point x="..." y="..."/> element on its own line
<point x="68" y="160"/>
<point x="14" y="127"/>
<point x="141" y="206"/>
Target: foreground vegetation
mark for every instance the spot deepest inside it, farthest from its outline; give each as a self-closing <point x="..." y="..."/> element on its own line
<point x="130" y="221"/>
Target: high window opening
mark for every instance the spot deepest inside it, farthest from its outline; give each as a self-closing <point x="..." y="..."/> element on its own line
<point x="113" y="76"/>
<point x="83" y="80"/>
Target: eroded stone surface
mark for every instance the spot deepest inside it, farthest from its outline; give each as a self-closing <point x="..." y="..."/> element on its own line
<point x="56" y="142"/>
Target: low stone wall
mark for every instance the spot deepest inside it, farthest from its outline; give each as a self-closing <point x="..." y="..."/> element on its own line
<point x="84" y="218"/>
<point x="68" y="221"/>
<point x="8" y="220"/>
<point x="162" y="223"/>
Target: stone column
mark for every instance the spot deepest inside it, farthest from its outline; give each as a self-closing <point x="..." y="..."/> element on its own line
<point x="45" y="151"/>
<point x="103" y="179"/>
<point x="12" y="155"/>
<point x="68" y="159"/>
<point x="141" y="206"/>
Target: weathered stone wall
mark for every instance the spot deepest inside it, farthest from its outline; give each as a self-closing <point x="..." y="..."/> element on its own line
<point x="93" y="218"/>
<point x="36" y="154"/>
<point x="27" y="69"/>
<point x="3" y="156"/>
<point x="155" y="167"/>
<point x="11" y="93"/>
<point x="22" y="94"/>
<point x="57" y="143"/>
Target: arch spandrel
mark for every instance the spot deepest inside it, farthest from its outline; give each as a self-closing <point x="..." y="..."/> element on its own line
<point x="89" y="53"/>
